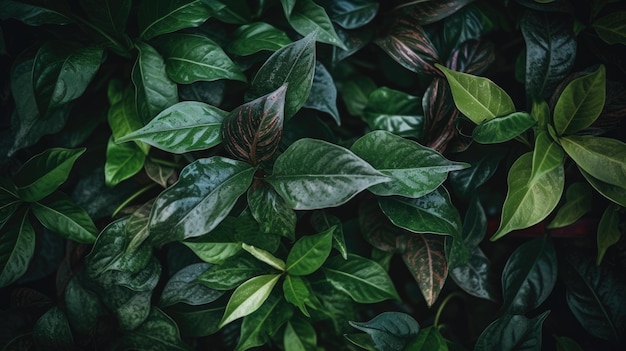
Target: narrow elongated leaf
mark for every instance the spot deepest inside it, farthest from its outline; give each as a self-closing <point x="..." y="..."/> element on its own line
<point x="323" y="95"/>
<point x="17" y="245"/>
<point x="365" y="281"/>
<point x="501" y="129"/>
<point x="248" y="297"/>
<point x="52" y="331"/>
<point x="476" y="276"/>
<point x="293" y="64"/>
<point x="429" y="339"/>
<point x="166" y="16"/>
<point x="254" y="37"/>
<point x="206" y="191"/>
<point x="259" y="326"/>
<point x="192" y="57"/>
<point x="271" y="210"/>
<point x="299" y="335"/>
<point x="184" y="288"/>
<point x="265" y="257"/>
<point x="158" y="332"/>
<point x="123" y="161"/>
<point x="612" y="192"/>
<point x="32" y="14"/>
<point x="313" y="174"/>
<point x="351" y="14"/>
<point x="426" y="260"/>
<point x="390" y="330"/>
<point x="252" y="131"/>
<point x="512" y="332"/>
<point x="394" y="111"/>
<point x="550" y="51"/>
<point x="547" y="155"/>
<point x="430" y="11"/>
<point x="608" y="230"/>
<point x="122" y="115"/>
<point x="476" y="97"/>
<point x="577" y="203"/>
<point x="59" y="214"/>
<point x="306" y="17"/>
<point x="231" y="11"/>
<point x="603" y="158"/>
<point x="231" y="272"/>
<point x="42" y="174"/>
<point x="529" y="200"/>
<point x="611" y="27"/>
<point x="309" y="253"/>
<point x="184" y="127"/>
<point x="581" y="103"/>
<point x="297" y="292"/>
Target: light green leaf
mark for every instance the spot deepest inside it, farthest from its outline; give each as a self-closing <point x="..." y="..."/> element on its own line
<point x="305" y="16"/>
<point x="59" y="214"/>
<point x="122" y="115"/>
<point x="476" y="97"/>
<point x="271" y="210"/>
<point x="17" y="246"/>
<point x="608" y="230"/>
<point x="313" y="174"/>
<point x="258" y="327"/>
<point x="547" y="155"/>
<point x="603" y="158"/>
<point x="581" y="103"/>
<point x="577" y="203"/>
<point x="529" y="200"/>
<point x="254" y="37"/>
<point x="541" y="113"/>
<point x="231" y="272"/>
<point x="265" y="257"/>
<point x="501" y="129"/>
<point x="309" y="253"/>
<point x="166" y="16"/>
<point x="248" y="297"/>
<point x="299" y="336"/>
<point x="123" y="161"/>
<point x="297" y="292"/>
<point x="612" y="192"/>
<point x="611" y="28"/>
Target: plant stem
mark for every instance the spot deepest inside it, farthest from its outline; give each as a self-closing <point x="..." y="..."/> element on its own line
<point x="443" y="305"/>
<point x="132" y="197"/>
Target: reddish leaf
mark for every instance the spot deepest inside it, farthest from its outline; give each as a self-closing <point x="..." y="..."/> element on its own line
<point x="472" y="57"/>
<point x="252" y="131"/>
<point x="426" y="260"/>
<point x="439" y="113"/>
<point x="430" y="11"/>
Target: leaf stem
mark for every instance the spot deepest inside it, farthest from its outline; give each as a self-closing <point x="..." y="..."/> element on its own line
<point x="132" y="197"/>
<point x="443" y="305"/>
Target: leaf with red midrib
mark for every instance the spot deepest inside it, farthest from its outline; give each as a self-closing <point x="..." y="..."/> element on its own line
<point x="426" y="260"/>
<point x="252" y="131"/>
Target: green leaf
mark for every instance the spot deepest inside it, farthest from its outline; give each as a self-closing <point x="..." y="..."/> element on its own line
<point x="394" y="111"/>
<point x="476" y="277"/>
<point x="183" y="287"/>
<point x="258" y="327"/>
<point x="9" y="202"/>
<point x="541" y="113"/>
<point x="529" y="200"/>
<point x="321" y="220"/>
<point x="429" y="339"/>
<point x="206" y="191"/>
<point x="191" y="57"/>
<point x="425" y="258"/>
<point x="82" y="306"/>
<point x="293" y="64"/>
<point x="611" y="27"/>
<point x="122" y="115"/>
<point x="529" y="276"/>
<point x="426" y="12"/>
<point x="254" y="37"/>
<point x="271" y="210"/>
<point x="299" y="336"/>
<point x="197" y="321"/>
<point x="231" y="272"/>
<point x="390" y="330"/>
<point x="109" y="19"/>
<point x="355" y="93"/>
<point x="365" y="281"/>
<point x="62" y="72"/>
<point x="362" y="340"/>
<point x="580" y="103"/>
<point x="265" y="257"/>
<point x="608" y="230"/>
<point x="512" y="332"/>
<point x="431" y="213"/>
<point x="184" y="127"/>
<point x="306" y="17"/>
<point x="159" y="173"/>
<point x="612" y="192"/>
<point x="158" y="332"/>
<point x="252" y="131"/>
<point x="484" y="162"/>
<point x="166" y="16"/>
<point x="416" y="170"/>
<point x="309" y="253"/>
<point x="43" y="173"/>
<point x="313" y="174"/>
<point x="501" y="129"/>
<point x="563" y="343"/>
<point x="122" y="162"/>
<point x="17" y="245"/>
<point x="351" y="14"/>
<point x="248" y="297"/>
<point x="297" y="291"/>
<point x="52" y="331"/>
<point x="32" y="14"/>
<point x="603" y="158"/>
<point x="476" y="97"/>
<point x="547" y="155"/>
<point x="577" y="203"/>
<point x="231" y="11"/>
<point x="323" y="95"/>
<point x="153" y="88"/>
<point x="59" y="214"/>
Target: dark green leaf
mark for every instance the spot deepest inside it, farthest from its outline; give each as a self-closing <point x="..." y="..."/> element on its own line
<point x="183" y="287"/>
<point x="197" y="321"/>
<point x="563" y="343"/>
<point x="512" y="332"/>
<point x="59" y="214"/>
<point x="362" y="340"/>
<point x="108" y="19"/>
<point x="232" y="272"/>
<point x="82" y="306"/>
<point x="52" y="331"/>
<point x="323" y="95"/>
<point x="192" y="57"/>
<point x="158" y="332"/>
<point x="395" y="111"/>
<point x="166" y="16"/>
<point x="293" y="64"/>
<point x="612" y="192"/>
<point x="206" y="191"/>
<point x="183" y="127"/>
<point x="254" y="37"/>
<point x="611" y="27"/>
<point x="271" y="211"/>
<point x="300" y="335"/>
<point x="159" y="173"/>
<point x="378" y="230"/>
<point x="426" y="260"/>
<point x="351" y="14"/>
<point x="306" y="17"/>
<point x="426" y="12"/>
<point x="297" y="291"/>
<point x="608" y="230"/>
<point x="32" y="14"/>
<point x="247" y="230"/>
<point x="313" y="174"/>
<point x="501" y="129"/>
<point x="355" y="93"/>
<point x="231" y="11"/>
<point x="603" y="158"/>
<point x="547" y="155"/>
<point x="476" y="277"/>
<point x="259" y="326"/>
<point x="42" y="174"/>
<point x="390" y="330"/>
<point x="17" y="245"/>
<point x="248" y="297"/>
<point x="321" y="220"/>
<point x="252" y="131"/>
<point x="9" y="202"/>
<point x="309" y="253"/>
<point x="580" y="103"/>
<point x="122" y="161"/>
<point x="577" y="203"/>
<point x="429" y="339"/>
<point x="484" y="163"/>
<point x="466" y="24"/>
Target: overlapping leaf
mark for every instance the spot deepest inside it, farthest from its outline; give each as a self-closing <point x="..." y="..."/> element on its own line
<point x="430" y="11"/>
<point x="577" y="203"/>
<point x="603" y="158"/>
<point x="259" y="326"/>
<point x="254" y="37"/>
<point x="248" y="297"/>
<point x="476" y="276"/>
<point x="305" y="16"/>
<point x="59" y="214"/>
<point x="166" y="16"/>
<point x="323" y="95"/>
<point x="426" y="260"/>
<point x="351" y="14"/>
<point x="183" y="287"/>
<point x="122" y="162"/>
<point x="501" y="129"/>
<point x="394" y="111"/>
<point x="309" y="253"/>
<point x="611" y="27"/>
<point x="17" y="245"/>
<point x="271" y="210"/>
<point x="512" y="332"/>
<point x="390" y="330"/>
<point x="608" y="230"/>
<point x="33" y="14"/>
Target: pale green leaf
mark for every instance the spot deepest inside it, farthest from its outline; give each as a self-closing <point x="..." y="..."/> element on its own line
<point x="248" y="297"/>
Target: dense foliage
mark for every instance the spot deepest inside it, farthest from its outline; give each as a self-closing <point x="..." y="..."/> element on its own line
<point x="312" y="175"/>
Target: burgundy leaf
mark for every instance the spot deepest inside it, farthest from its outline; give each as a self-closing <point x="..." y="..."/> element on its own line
<point x="252" y="131"/>
<point x="426" y="260"/>
<point x="439" y="113"/>
<point x="472" y="57"/>
<point x="378" y="230"/>
<point x="430" y="11"/>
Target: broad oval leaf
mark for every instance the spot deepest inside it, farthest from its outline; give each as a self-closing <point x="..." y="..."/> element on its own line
<point x="323" y="95"/>
<point x="33" y="14"/>
<point x="365" y="281"/>
<point x="83" y="307"/>
<point x="390" y="330"/>
<point x="258" y="327"/>
<point x="183" y="287"/>
<point x="306" y="17"/>
<point x="512" y="332"/>
<point x="476" y="97"/>
<point x="476" y="276"/>
<point x="612" y="192"/>
<point x="157" y="332"/>
<point x="59" y="214"/>
<point x="580" y="103"/>
<point x="17" y="246"/>
<point x="43" y="173"/>
<point x="351" y="14"/>
<point x="252" y="131"/>
<point x="191" y="57"/>
<point x="254" y="37"/>
<point x="309" y="253"/>
<point x="547" y="155"/>
<point x="52" y="331"/>
<point x="293" y="64"/>
<point x="313" y="174"/>
<point x="265" y="257"/>
<point x="394" y="111"/>
<point x="248" y="297"/>
<point x="611" y="28"/>
<point x="206" y="191"/>
<point x="608" y="230"/>
<point x="231" y="272"/>
<point x="166" y="16"/>
<point x="271" y="210"/>
<point x="425" y="258"/>
<point x="529" y="200"/>
<point x="183" y="127"/>
<point x="603" y="158"/>
<point x="501" y="129"/>
<point x="577" y="203"/>
<point x="122" y="162"/>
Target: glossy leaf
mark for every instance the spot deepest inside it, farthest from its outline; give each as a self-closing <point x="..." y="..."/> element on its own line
<point x="122" y="162"/>
<point x="297" y="292"/>
<point x="365" y="281"/>
<point x="550" y="51"/>
<point x="183" y="287"/>
<point x="191" y="57"/>
<point x="206" y="191"/>
<point x="313" y="174"/>
<point x="17" y="245"/>
<point x="9" y="202"/>
<point x="293" y="64"/>
<point x="153" y="88"/>
<point x="322" y="220"/>
<point x="431" y="213"/>
<point x="258" y="36"/>
<point x="248" y="297"/>
<point x="265" y="257"/>
<point x="463" y="26"/>
<point x="306" y="17"/>
<point x="184" y="127"/>
<point x="122" y="115"/>
<point x="512" y="332"/>
<point x="612" y="192"/>
<point x="42" y="174"/>
<point x="603" y="158"/>
<point x="501" y="129"/>
<point x="580" y="103"/>
<point x="355" y="93"/>
<point x="252" y="131"/>
<point x="59" y="214"/>
<point x="32" y="14"/>
<point x="547" y="155"/>
<point x="611" y="28"/>
<point x="232" y="11"/>
<point x="476" y="276"/>
<point x="166" y="16"/>
<point x="158" y="332"/>
<point x="231" y="272"/>
<point x="429" y="339"/>
<point x="108" y="19"/>
<point x="608" y="230"/>
<point x="299" y="335"/>
<point x="271" y="211"/>
<point x="426" y="260"/>
<point x="258" y="327"/>
<point x="472" y="57"/>
<point x="351" y="14"/>
<point x="426" y="12"/>
<point x="390" y="330"/>
<point x="394" y="111"/>
<point x="309" y="253"/>
<point x="577" y="203"/>
<point x="529" y="200"/>
<point x="476" y="97"/>
<point x="323" y="95"/>
<point x="197" y="321"/>
<point x="483" y="165"/>
<point x="160" y="174"/>
<point x="52" y="331"/>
